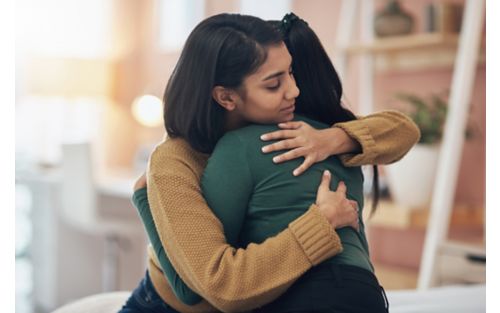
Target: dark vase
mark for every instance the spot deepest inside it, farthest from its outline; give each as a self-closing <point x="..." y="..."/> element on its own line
<point x="393" y="21"/>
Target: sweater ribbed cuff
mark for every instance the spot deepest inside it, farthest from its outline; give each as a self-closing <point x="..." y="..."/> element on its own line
<point x="361" y="134"/>
<point x="316" y="236"/>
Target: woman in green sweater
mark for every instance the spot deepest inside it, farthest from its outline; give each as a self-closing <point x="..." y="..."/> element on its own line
<point x="265" y="197"/>
<point x="249" y="291"/>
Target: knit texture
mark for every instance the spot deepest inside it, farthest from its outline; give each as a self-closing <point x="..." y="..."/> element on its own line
<point x="385" y="137"/>
<point x="194" y="240"/>
<point x="241" y="279"/>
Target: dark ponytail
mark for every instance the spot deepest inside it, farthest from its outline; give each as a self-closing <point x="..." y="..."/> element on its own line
<point x="318" y="81"/>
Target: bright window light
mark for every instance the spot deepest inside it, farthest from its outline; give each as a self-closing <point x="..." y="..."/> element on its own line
<point x="266" y="10"/>
<point x="64" y="28"/>
<point x="177" y="19"/>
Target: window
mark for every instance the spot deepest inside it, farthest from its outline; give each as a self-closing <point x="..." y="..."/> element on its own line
<point x="69" y="28"/>
<point x="264" y="9"/>
<point x="177" y="19"/>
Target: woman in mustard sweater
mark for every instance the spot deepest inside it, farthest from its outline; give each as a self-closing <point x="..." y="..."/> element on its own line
<point x="238" y="279"/>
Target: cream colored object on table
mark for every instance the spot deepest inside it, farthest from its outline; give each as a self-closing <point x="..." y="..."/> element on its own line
<point x="411" y="180"/>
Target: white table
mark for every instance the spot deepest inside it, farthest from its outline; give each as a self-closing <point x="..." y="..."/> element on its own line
<point x="70" y="262"/>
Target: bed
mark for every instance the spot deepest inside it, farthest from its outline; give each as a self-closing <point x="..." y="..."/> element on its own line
<point x="450" y="299"/>
<point x="446" y="299"/>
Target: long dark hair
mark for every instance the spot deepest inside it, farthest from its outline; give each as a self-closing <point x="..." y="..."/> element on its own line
<point x="318" y="81"/>
<point x="221" y="51"/>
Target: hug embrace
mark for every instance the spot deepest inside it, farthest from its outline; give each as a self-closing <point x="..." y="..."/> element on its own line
<point x="254" y="201"/>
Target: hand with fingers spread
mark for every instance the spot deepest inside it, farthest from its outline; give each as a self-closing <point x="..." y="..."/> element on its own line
<point x="312" y="144"/>
<point x="340" y="211"/>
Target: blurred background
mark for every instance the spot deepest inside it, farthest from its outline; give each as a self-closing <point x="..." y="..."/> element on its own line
<point x="89" y="82"/>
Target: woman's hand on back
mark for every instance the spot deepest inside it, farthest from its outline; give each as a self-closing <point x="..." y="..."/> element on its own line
<point x="334" y="205"/>
<point x="312" y="144"/>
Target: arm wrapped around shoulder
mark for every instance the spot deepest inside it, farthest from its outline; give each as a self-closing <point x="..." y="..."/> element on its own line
<point x="385" y="137"/>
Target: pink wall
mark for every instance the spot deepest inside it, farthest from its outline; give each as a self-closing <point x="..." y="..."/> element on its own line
<point x="471" y="180"/>
<point x="143" y="69"/>
<point x="323" y="18"/>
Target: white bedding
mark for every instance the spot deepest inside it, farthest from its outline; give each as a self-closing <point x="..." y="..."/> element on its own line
<point x="448" y="299"/>
<point x="451" y="299"/>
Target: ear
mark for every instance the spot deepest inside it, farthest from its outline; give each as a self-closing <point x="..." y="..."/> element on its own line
<point x="225" y="97"/>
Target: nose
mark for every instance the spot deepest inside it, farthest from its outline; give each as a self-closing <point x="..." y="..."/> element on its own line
<point x="292" y="91"/>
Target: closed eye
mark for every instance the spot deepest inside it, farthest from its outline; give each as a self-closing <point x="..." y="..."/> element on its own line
<point x="275" y="87"/>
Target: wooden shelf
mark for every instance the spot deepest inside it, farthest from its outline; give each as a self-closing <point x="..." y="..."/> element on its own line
<point x="396" y="235"/>
<point x="389" y="214"/>
<point x="412" y="52"/>
<point x="405" y="43"/>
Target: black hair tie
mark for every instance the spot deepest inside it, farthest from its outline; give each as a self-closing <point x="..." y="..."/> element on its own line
<point x="287" y="22"/>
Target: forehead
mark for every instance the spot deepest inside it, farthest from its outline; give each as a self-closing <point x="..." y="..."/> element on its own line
<point x="278" y="60"/>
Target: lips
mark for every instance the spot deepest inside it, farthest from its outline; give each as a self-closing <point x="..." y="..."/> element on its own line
<point x="289" y="109"/>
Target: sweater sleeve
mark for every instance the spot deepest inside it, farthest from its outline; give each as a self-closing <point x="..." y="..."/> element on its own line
<point x="385" y="137"/>
<point x="230" y="279"/>
<point x="180" y="289"/>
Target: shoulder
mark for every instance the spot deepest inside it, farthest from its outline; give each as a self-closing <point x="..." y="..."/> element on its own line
<point x="311" y="122"/>
<point x="240" y="139"/>
<point x="169" y="149"/>
<point x="175" y="154"/>
<point x="171" y="146"/>
<point x="253" y="130"/>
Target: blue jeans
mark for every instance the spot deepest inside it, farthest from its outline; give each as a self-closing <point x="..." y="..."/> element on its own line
<point x="329" y="288"/>
<point x="145" y="299"/>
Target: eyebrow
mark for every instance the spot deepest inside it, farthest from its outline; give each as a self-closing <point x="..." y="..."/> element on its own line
<point x="273" y="75"/>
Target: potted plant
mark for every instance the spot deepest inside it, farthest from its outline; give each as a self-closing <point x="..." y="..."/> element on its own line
<point x="411" y="180"/>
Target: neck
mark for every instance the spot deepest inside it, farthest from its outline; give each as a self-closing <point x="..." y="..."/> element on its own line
<point x="233" y="121"/>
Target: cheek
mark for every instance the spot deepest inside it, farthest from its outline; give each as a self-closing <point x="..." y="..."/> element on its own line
<point x="270" y="101"/>
<point x="259" y="103"/>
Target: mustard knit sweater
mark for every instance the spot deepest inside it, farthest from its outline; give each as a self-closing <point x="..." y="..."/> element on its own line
<point x="242" y="279"/>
